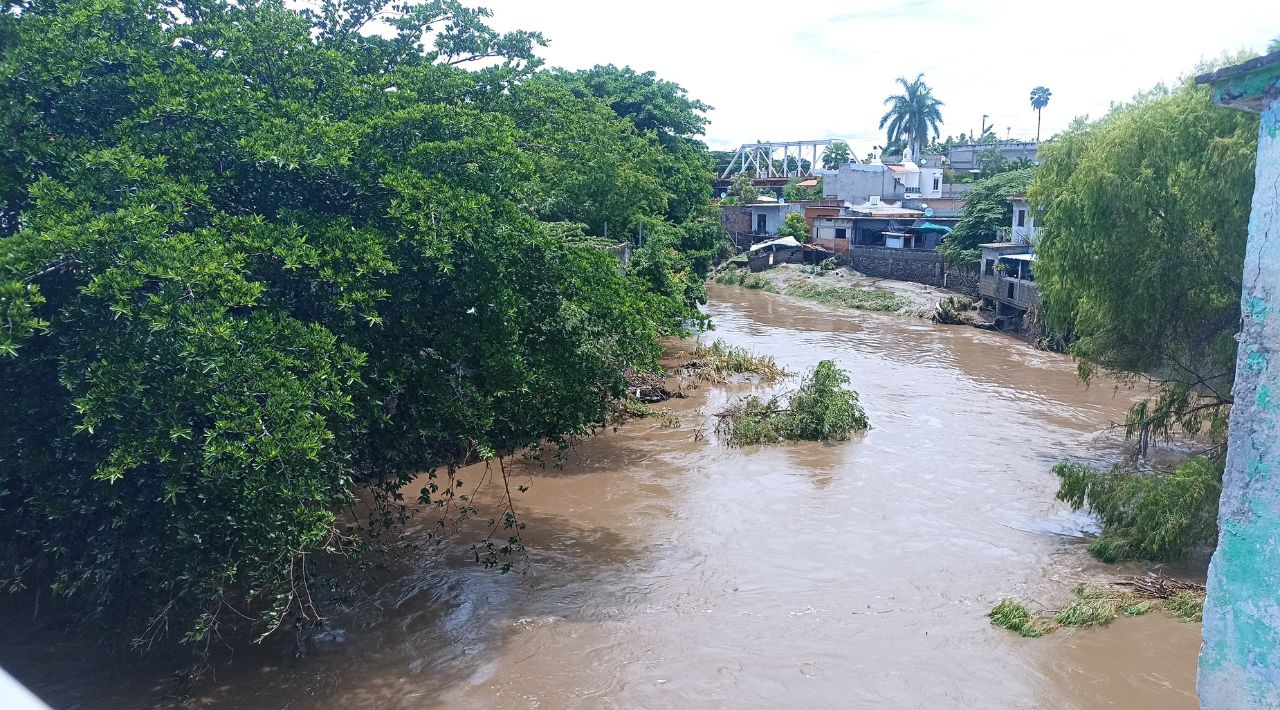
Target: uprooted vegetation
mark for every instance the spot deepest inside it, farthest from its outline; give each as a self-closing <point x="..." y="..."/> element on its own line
<point x="822" y="409"/>
<point x="746" y="279"/>
<point x="718" y="362"/>
<point x="1146" y="515"/>
<point x="1099" y="606"/>
<point x="957" y="310"/>
<point x="622" y="410"/>
<point x="866" y="299"/>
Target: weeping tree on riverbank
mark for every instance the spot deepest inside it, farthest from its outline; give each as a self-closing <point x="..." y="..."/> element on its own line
<point x="254" y="260"/>
<point x="1142" y="226"/>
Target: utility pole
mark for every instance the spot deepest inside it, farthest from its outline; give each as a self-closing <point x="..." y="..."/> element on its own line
<point x="1240" y="656"/>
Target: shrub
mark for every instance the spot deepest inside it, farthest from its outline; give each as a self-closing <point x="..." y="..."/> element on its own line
<point x="1146" y="515"/>
<point x="822" y="409"/>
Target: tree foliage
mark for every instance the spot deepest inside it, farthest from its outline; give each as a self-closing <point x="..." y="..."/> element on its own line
<point x="1145" y="515"/>
<point x="662" y="111"/>
<point x="835" y="155"/>
<point x="822" y="409"/>
<point x="986" y="211"/>
<point x="1142" y="221"/>
<point x="794" y="226"/>
<point x="257" y="258"/>
<point x="1039" y="99"/>
<point x="914" y="114"/>
<point x="794" y="193"/>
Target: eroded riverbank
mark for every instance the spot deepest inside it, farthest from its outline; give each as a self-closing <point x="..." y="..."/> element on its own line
<point x="667" y="571"/>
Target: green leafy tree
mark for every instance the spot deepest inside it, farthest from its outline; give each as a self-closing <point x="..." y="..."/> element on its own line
<point x="795" y="226"/>
<point x="265" y="260"/>
<point x="744" y="189"/>
<point x="663" y="110"/>
<point x="835" y="155"/>
<point x="794" y="193"/>
<point x="914" y="114"/>
<point x="986" y="212"/>
<point x="993" y="162"/>
<point x="1149" y="283"/>
<point x="1039" y="99"/>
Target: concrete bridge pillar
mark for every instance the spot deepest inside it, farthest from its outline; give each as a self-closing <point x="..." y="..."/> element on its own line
<point x="1240" y="655"/>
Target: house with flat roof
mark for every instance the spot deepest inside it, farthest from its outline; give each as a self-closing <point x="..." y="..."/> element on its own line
<point x="1007" y="283"/>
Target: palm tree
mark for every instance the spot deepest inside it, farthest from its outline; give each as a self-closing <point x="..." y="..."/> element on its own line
<point x="913" y="113"/>
<point x="1039" y="99"/>
<point x="835" y="155"/>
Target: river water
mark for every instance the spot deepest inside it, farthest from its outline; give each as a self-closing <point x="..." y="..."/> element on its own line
<point x="670" y="571"/>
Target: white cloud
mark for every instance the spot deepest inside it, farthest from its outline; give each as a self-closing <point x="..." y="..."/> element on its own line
<point x="792" y="71"/>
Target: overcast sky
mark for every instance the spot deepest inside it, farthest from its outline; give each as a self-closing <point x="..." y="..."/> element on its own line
<point x="777" y="71"/>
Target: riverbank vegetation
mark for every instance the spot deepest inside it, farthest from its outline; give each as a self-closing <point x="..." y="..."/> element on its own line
<point x="1146" y="515"/>
<point x="258" y="266"/>
<point x="865" y="299"/>
<point x="746" y="279"/>
<point x="1097" y="606"/>
<point x="719" y="362"/>
<point x="1147" y="287"/>
<point x="821" y="409"/>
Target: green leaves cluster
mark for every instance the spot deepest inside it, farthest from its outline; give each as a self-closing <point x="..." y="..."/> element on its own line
<point x="256" y="259"/>
<point x="986" y="211"/>
<point x="1142" y="222"/>
<point x="822" y="409"/>
<point x="1145" y="515"/>
<point x="794" y="225"/>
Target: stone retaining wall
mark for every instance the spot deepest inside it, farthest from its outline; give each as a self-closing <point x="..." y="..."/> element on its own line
<point x="916" y="265"/>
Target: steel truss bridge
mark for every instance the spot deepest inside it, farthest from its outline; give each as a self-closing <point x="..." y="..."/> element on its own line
<point x="776" y="160"/>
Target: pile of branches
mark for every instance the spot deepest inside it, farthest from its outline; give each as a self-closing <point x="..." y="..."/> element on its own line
<point x="648" y="387"/>
<point x="1158" y="586"/>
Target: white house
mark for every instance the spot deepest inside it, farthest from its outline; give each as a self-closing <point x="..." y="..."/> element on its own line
<point x="767" y="217"/>
<point x="1023" y="227"/>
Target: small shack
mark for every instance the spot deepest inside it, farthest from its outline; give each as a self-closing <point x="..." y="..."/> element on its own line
<point x="784" y="250"/>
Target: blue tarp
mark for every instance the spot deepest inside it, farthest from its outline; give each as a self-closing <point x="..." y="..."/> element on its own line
<point x="930" y="227"/>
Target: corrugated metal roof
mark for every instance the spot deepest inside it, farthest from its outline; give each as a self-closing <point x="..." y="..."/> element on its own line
<point x="781" y="242"/>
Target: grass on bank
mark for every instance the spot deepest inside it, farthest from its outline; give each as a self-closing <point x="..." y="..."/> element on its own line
<point x="865" y="299"/>
<point x="1093" y="606"/>
<point x="822" y="409"/>
<point x="746" y="279"/>
<point x="718" y="362"/>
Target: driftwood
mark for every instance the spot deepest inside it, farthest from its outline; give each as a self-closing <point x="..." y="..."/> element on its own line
<point x="649" y="387"/>
<point x="1159" y="586"/>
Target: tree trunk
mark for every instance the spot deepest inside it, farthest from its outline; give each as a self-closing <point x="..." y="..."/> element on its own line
<point x="1038" y="124"/>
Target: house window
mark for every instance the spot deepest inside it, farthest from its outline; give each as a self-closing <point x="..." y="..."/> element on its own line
<point x="841" y="233"/>
<point x="937" y="183"/>
<point x="990" y="268"/>
<point x="1022" y="218"/>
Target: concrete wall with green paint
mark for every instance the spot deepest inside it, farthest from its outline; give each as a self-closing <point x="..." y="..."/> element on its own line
<point x="1240" y="658"/>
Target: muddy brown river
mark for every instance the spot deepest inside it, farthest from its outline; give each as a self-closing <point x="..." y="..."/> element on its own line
<point x="666" y="571"/>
